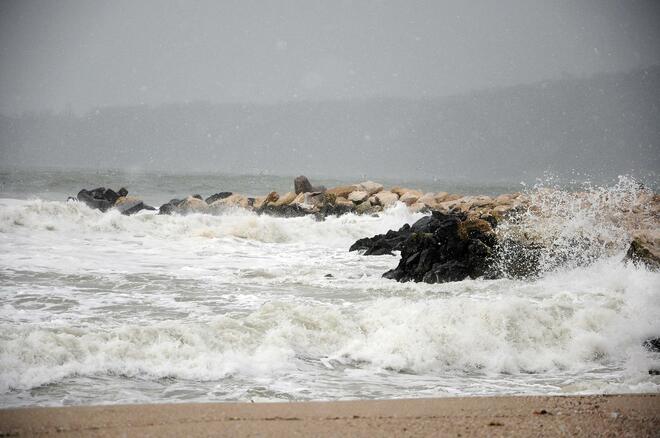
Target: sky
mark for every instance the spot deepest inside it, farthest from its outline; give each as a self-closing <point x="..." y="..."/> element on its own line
<point x="84" y="54"/>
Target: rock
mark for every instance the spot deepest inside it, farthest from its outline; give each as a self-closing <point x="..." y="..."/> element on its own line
<point x="111" y="196"/>
<point x="94" y="199"/>
<point x="400" y="191"/>
<point x="220" y="195"/>
<point x="336" y="209"/>
<point x="302" y="185"/>
<point x="410" y="197"/>
<point x="192" y="205"/>
<point x="286" y="199"/>
<point x="272" y="198"/>
<point x="300" y="199"/>
<point x="101" y="198"/>
<point x="370" y="187"/>
<point x="441" y="196"/>
<point x="428" y="199"/>
<point x="358" y="196"/>
<point x="344" y="202"/>
<point x="342" y="191"/>
<point x="367" y="208"/>
<point x="652" y="344"/>
<point x="645" y="249"/>
<point x="290" y="210"/>
<point x="437" y="248"/>
<point x="445" y="248"/>
<point x="419" y="207"/>
<point x="383" y="243"/>
<point x="234" y="200"/>
<point x="128" y="205"/>
<point x="386" y="199"/>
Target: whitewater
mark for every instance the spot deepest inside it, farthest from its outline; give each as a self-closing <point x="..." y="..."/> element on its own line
<point x="103" y="308"/>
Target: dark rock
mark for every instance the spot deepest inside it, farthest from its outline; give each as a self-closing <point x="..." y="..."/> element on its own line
<point x="221" y="195"/>
<point x="652" y="344"/>
<point x="111" y="196"/>
<point x="302" y="185"/>
<point x="198" y="196"/>
<point x="97" y="202"/>
<point x="122" y="192"/>
<point x="645" y="250"/>
<point x="170" y="206"/>
<point x="336" y="209"/>
<point x="287" y="210"/>
<point x="383" y="243"/>
<point x="167" y="208"/>
<point x="437" y="248"/>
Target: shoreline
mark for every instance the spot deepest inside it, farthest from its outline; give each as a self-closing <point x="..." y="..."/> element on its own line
<point x="602" y="415"/>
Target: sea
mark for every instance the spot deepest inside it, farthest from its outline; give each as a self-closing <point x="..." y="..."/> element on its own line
<point x="100" y="308"/>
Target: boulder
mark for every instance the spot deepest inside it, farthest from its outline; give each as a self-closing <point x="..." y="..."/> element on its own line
<point x="302" y="185"/>
<point x="101" y="198"/>
<point x="259" y="202"/>
<point x="220" y="195"/>
<point x="645" y="249"/>
<point x="437" y="248"/>
<point x="192" y="205"/>
<point x="410" y="198"/>
<point x="342" y="191"/>
<point x="652" y="344"/>
<point x="94" y="199"/>
<point x="428" y="199"/>
<point x="128" y="205"/>
<point x="286" y="210"/>
<point x="272" y="198"/>
<point x="386" y="198"/>
<point x="234" y="200"/>
<point x="358" y="196"/>
<point x="370" y="187"/>
<point x="383" y="243"/>
<point x="285" y="199"/>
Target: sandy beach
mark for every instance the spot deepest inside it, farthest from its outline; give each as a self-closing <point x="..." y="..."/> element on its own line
<point x="616" y="416"/>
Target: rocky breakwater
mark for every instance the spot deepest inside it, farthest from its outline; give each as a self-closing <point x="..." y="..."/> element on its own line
<point x="521" y="235"/>
<point x="104" y="199"/>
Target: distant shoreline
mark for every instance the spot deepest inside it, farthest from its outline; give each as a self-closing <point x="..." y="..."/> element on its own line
<point x="594" y="415"/>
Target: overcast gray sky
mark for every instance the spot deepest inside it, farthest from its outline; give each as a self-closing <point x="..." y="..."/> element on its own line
<point x="94" y="53"/>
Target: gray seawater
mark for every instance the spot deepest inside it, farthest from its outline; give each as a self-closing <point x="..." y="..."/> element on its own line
<point x="103" y="308"/>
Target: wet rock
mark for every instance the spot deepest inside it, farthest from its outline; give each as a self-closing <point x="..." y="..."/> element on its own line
<point x="217" y="196"/>
<point x="652" y="344"/>
<point x="287" y="210"/>
<point x="128" y="205"/>
<point x="437" y="248"/>
<point x="192" y="205"/>
<point x="645" y="249"/>
<point x="234" y="201"/>
<point x="342" y="191"/>
<point x="94" y="199"/>
<point x="386" y="198"/>
<point x="302" y="185"/>
<point x="285" y="199"/>
<point x="358" y="196"/>
<point x="383" y="243"/>
<point x="370" y="187"/>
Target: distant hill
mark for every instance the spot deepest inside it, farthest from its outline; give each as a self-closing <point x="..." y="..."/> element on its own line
<point x="604" y="125"/>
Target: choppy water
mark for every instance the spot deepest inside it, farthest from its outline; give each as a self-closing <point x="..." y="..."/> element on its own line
<point x="103" y="308"/>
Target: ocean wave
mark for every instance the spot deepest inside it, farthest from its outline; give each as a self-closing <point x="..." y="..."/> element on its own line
<point x="579" y="320"/>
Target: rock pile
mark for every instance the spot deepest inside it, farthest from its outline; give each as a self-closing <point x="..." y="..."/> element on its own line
<point x="437" y="248"/>
<point x="103" y="199"/>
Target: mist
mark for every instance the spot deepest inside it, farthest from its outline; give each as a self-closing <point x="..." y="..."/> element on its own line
<point x="481" y="90"/>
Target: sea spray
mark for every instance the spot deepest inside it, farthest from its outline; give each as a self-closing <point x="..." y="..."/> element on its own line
<point x="106" y="308"/>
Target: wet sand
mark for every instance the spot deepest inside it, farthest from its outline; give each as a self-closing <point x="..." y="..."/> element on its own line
<point x="616" y="416"/>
